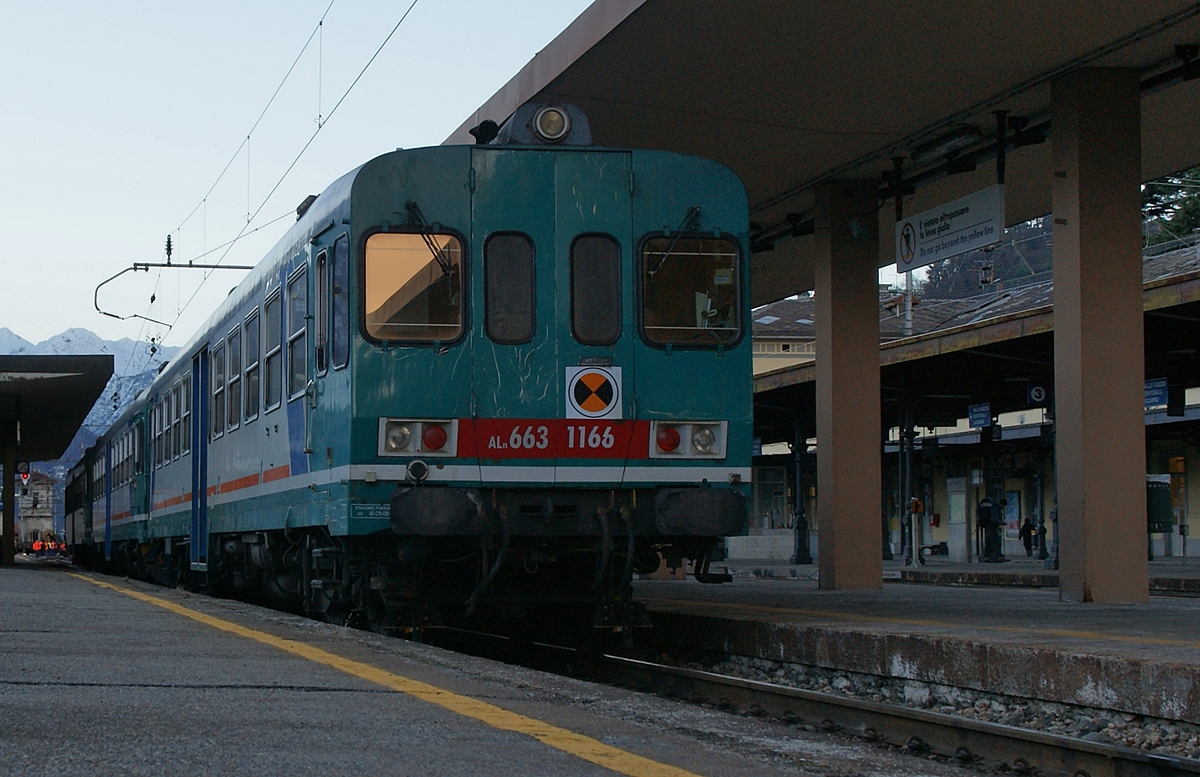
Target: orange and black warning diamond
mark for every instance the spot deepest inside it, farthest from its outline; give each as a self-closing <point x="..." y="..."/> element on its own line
<point x="593" y="392"/>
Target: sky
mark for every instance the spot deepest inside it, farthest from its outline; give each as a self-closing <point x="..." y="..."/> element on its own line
<point x="119" y="118"/>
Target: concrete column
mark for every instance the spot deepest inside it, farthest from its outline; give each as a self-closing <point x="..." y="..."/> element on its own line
<point x="8" y="441"/>
<point x="847" y="327"/>
<point x="1098" y="345"/>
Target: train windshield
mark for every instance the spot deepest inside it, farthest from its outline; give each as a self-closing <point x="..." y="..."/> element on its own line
<point x="413" y="287"/>
<point x="690" y="291"/>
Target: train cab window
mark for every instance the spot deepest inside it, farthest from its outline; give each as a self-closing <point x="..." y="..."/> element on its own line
<point x="218" y="390"/>
<point x="297" y="340"/>
<point x="508" y="295"/>
<point x="341" y="302"/>
<point x="596" y="289"/>
<point x="321" y="322"/>
<point x="252" y="362"/>
<point x="233" y="391"/>
<point x="690" y="291"/>
<point x="273" y="354"/>
<point x="414" y="285"/>
<point x="185" y="416"/>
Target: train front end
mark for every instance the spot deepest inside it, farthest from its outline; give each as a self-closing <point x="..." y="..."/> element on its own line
<point x="551" y="391"/>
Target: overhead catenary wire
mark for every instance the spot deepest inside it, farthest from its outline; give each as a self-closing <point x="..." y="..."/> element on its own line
<point x="241" y="233"/>
<point x="257" y="121"/>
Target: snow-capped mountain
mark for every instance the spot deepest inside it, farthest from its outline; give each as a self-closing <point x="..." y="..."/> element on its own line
<point x="134" y="366"/>
<point x="130" y="357"/>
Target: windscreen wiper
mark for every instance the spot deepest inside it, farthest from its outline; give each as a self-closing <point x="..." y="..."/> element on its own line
<point x="688" y="221"/>
<point x="417" y="217"/>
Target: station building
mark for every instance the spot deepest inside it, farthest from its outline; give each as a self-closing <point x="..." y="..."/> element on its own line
<point x="954" y="464"/>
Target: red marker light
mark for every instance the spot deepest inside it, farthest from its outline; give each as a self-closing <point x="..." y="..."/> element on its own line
<point x="433" y="437"/>
<point x="667" y="438"/>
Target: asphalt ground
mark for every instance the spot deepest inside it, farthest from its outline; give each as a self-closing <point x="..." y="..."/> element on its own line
<point x="109" y="676"/>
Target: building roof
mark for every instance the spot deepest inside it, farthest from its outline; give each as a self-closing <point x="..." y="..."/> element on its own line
<point x="790" y="95"/>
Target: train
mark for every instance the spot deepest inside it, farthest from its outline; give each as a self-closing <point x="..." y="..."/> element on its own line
<point x="470" y="382"/>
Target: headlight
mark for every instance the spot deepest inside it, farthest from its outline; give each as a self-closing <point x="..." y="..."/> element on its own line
<point x="397" y="437"/>
<point x="551" y="124"/>
<point x="703" y="439"/>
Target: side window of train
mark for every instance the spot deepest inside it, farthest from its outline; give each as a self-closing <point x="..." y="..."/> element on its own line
<point x="596" y="289"/>
<point x="158" y="432"/>
<point x="321" y="335"/>
<point x="413" y="287"/>
<point x="252" y="361"/>
<point x="176" y="415"/>
<point x="233" y="390"/>
<point x="217" y="410"/>
<point x="508" y="295"/>
<point x="139" y="466"/>
<point x="273" y="353"/>
<point x="341" y="302"/>
<point x="690" y="291"/>
<point x="167" y="408"/>
<point x="185" y="417"/>
<point x="297" y="329"/>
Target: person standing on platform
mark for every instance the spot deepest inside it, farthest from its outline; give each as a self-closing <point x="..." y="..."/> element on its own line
<point x="1026" y="535"/>
<point x="983" y="519"/>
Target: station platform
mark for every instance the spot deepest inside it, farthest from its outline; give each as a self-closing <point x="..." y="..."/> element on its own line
<point x="1018" y="642"/>
<point x="103" y="675"/>
<point x="1172" y="575"/>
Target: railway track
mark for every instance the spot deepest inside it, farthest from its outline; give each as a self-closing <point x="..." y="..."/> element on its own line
<point x="983" y="746"/>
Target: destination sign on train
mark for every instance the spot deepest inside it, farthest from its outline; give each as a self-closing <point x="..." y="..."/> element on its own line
<point x="965" y="224"/>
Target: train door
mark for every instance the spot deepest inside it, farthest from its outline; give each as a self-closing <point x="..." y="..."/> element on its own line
<point x="517" y="387"/>
<point x="200" y="432"/>
<point x="108" y="501"/>
<point x="595" y="325"/>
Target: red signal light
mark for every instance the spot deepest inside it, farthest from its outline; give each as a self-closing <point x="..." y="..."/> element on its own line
<point x="24" y="478"/>
<point x="433" y="437"/>
<point x="667" y="438"/>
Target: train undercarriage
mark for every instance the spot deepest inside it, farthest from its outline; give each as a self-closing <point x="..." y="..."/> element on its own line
<point x="540" y="568"/>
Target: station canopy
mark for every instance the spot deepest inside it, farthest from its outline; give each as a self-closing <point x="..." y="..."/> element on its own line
<point x="50" y="396"/>
<point x="790" y="94"/>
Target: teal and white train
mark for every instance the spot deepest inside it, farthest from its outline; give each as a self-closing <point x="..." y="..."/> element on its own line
<point x="468" y="380"/>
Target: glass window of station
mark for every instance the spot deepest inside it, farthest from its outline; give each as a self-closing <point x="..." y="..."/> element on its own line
<point x="414" y="285"/>
<point x="690" y="291"/>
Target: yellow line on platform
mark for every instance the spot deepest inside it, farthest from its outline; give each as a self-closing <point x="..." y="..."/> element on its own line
<point x="578" y="745"/>
<point x="859" y="618"/>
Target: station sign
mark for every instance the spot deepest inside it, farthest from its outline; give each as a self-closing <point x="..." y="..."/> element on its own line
<point x="980" y="416"/>
<point x="1156" y="392"/>
<point x="965" y="224"/>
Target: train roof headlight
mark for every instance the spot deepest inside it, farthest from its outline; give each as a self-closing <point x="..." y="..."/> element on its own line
<point x="433" y="437"/>
<point x="703" y="439"/>
<point x="397" y="437"/>
<point x="667" y="438"/>
<point x="551" y="124"/>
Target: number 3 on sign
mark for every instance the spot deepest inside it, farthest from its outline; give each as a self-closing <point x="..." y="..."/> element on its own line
<point x="590" y="439"/>
<point x="532" y="438"/>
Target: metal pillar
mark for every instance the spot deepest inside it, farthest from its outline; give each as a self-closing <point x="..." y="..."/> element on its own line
<point x="1098" y="336"/>
<point x="846" y="249"/>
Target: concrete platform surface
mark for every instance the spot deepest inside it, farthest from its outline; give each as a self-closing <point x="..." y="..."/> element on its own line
<point x="1167" y="576"/>
<point x="1141" y="659"/>
<point x="97" y="682"/>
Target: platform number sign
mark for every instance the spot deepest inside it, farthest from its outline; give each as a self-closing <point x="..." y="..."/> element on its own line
<point x="593" y="392"/>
